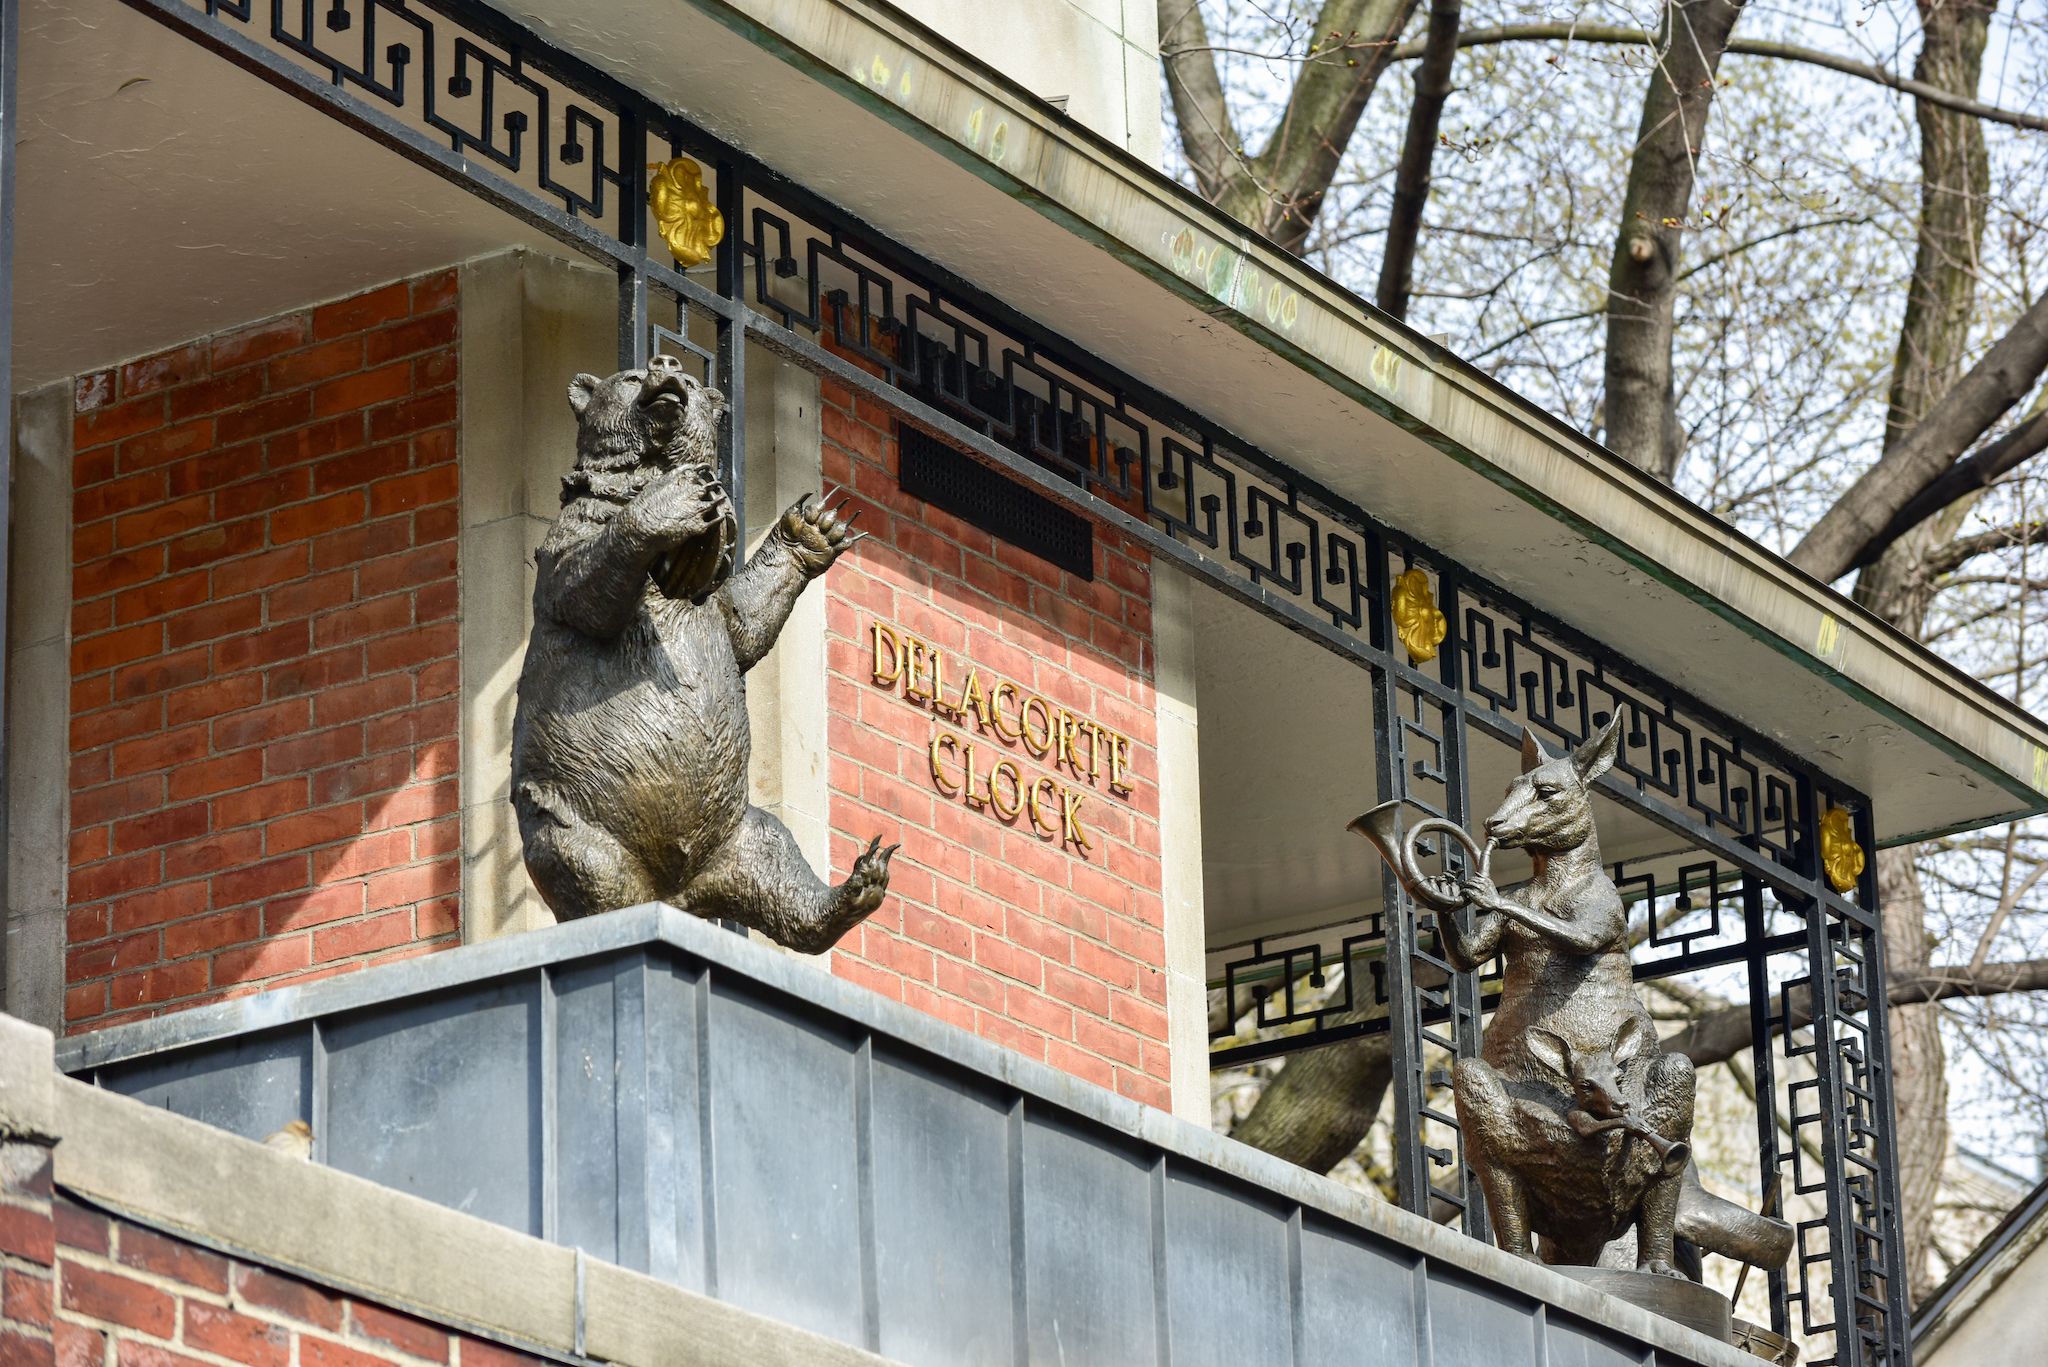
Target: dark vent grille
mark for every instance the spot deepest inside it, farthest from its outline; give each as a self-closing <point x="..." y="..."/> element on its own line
<point x="957" y="484"/>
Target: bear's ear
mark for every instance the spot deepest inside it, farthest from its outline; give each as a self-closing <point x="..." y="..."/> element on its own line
<point x="581" y="391"/>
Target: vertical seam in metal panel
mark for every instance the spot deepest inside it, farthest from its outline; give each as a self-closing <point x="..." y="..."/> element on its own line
<point x="664" y="1258"/>
<point x="1163" y="1329"/>
<point x="550" y="1117"/>
<point x="707" y="1154"/>
<point x="1425" y="1349"/>
<point x="1020" y="1327"/>
<point x="582" y="1299"/>
<point x="1297" y="1299"/>
<point x="864" y="1185"/>
<point x="317" y="1103"/>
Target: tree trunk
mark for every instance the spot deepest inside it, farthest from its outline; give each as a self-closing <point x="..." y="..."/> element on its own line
<point x="1411" y="181"/>
<point x="1642" y="289"/>
<point x="1318" y="1108"/>
<point x="1955" y="178"/>
<point x="1279" y="191"/>
<point x="1919" y="1072"/>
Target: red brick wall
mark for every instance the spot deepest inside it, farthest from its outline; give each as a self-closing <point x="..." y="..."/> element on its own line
<point x="264" y="677"/>
<point x="1017" y="935"/>
<point x="28" y="1252"/>
<point x="131" y="1297"/>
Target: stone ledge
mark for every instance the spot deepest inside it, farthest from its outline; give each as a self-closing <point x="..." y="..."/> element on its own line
<point x="226" y="1193"/>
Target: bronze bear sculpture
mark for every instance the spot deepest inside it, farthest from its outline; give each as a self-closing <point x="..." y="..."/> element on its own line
<point x="630" y="744"/>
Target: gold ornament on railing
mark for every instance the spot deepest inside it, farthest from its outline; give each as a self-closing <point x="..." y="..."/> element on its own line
<point x="1840" y="855"/>
<point x="1416" y="619"/>
<point x="683" y="211"/>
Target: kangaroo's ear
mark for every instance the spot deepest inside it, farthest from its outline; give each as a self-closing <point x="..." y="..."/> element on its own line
<point x="1635" y="1037"/>
<point x="581" y="390"/>
<point x="1596" y="756"/>
<point x="1532" y="751"/>
<point x="1552" y="1051"/>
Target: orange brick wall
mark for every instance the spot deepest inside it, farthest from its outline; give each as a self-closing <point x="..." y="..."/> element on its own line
<point x="131" y="1297"/>
<point x="264" y="674"/>
<point x="1002" y="930"/>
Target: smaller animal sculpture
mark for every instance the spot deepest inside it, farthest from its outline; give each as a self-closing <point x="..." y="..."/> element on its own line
<point x="1578" y="1126"/>
<point x="630" y="745"/>
<point x="1568" y="1037"/>
<point x="1629" y="1103"/>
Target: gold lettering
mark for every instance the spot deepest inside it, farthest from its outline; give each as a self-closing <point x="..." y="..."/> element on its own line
<point x="939" y="703"/>
<point x="940" y="742"/>
<point x="995" y="705"/>
<point x="1063" y="741"/>
<point x="1038" y="817"/>
<point x="1094" y="748"/>
<point x="995" y="793"/>
<point x="1119" y="758"/>
<point x="894" y="671"/>
<point x="918" y="652"/>
<point x="971" y="696"/>
<point x="1070" y="819"/>
<point x="1031" y="742"/>
<point x="976" y="795"/>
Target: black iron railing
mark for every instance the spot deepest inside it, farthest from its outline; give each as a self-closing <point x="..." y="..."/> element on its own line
<point x="468" y="93"/>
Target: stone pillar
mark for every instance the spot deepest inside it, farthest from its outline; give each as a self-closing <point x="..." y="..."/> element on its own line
<point x="1180" y="842"/>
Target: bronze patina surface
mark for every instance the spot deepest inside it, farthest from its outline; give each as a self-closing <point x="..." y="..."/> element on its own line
<point x="1576" y="1124"/>
<point x="630" y="746"/>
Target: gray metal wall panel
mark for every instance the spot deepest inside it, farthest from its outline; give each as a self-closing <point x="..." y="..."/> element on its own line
<point x="252" y="1086"/>
<point x="1475" y="1325"/>
<point x="441" y="1098"/>
<point x="1358" y="1302"/>
<point x="941" y="1146"/>
<point x="785" y="1145"/>
<point x="586" y="1102"/>
<point x="1228" y="1297"/>
<point x="777" y="1138"/>
<point x="1570" y="1344"/>
<point x="1089" y="1289"/>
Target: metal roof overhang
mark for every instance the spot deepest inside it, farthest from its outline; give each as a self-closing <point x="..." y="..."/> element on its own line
<point x="1069" y="229"/>
<point x="872" y="111"/>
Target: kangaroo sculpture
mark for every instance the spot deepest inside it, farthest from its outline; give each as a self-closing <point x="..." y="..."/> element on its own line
<point x="1576" y="1124"/>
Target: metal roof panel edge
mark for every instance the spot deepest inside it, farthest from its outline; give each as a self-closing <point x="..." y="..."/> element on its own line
<point x="1073" y="178"/>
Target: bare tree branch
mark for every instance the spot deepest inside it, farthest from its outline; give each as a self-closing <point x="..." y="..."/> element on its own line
<point x="1978" y="470"/>
<point x="1927" y="451"/>
<point x="1741" y="47"/>
<point x="1719" y="1035"/>
<point x="1946" y="559"/>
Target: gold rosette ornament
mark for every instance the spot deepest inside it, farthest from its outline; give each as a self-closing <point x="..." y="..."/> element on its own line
<point x="1840" y="855"/>
<point x="683" y="211"/>
<point x="1417" y="621"/>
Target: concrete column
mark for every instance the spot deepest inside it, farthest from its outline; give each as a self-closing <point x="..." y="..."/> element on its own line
<point x="786" y="690"/>
<point x="39" y="707"/>
<point x="1180" y="840"/>
<point x="529" y="324"/>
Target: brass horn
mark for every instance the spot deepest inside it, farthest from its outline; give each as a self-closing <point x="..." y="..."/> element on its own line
<point x="1382" y="826"/>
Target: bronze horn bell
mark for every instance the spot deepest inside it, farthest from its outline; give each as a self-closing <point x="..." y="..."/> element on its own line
<point x="1382" y="826"/>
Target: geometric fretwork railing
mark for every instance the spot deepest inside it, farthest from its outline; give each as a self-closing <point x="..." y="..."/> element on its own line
<point x="466" y="92"/>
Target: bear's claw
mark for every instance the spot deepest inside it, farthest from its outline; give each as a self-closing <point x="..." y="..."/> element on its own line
<point x="868" y="881"/>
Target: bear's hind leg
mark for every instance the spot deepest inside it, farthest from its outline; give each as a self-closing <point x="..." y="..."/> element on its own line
<point x="759" y="879"/>
<point x="580" y="869"/>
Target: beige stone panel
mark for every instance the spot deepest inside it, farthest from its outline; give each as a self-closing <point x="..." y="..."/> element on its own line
<point x="39" y="707"/>
<point x="529" y="323"/>
<point x="1180" y="842"/>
